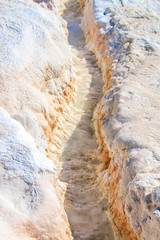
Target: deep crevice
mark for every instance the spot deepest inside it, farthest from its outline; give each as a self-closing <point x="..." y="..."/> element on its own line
<point x="85" y="208"/>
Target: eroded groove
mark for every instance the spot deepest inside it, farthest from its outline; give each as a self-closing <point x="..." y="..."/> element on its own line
<point x="84" y="205"/>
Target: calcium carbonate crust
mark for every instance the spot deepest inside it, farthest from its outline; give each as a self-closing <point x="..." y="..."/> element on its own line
<point x="35" y="88"/>
<point x="30" y="196"/>
<point x="36" y="74"/>
<point x="125" y="38"/>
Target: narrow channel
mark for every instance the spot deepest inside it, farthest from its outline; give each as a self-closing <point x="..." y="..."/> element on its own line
<point x="85" y="208"/>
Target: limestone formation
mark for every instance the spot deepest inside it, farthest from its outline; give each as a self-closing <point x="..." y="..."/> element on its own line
<point x="29" y="192"/>
<point x="56" y="183"/>
<point x="125" y="38"/>
<point x="35" y="87"/>
<point x="35" y="63"/>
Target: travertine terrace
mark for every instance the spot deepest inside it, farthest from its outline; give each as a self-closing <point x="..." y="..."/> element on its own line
<point x="124" y="35"/>
<point x="79" y="120"/>
<point x="35" y="87"/>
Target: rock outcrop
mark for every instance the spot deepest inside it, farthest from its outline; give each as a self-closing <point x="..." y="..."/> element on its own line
<point x="38" y="126"/>
<point x="124" y="35"/>
<point x="36" y="66"/>
<point x="36" y="85"/>
<point x="30" y="196"/>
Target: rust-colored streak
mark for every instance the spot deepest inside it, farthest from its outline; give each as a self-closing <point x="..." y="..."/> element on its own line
<point x="115" y="208"/>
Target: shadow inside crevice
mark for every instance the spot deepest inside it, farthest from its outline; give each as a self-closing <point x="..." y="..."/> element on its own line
<point x="76" y="37"/>
<point x="85" y="208"/>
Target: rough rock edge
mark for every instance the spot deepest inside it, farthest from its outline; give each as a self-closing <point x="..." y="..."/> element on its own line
<point x="37" y="189"/>
<point x="63" y="102"/>
<point x="55" y="99"/>
<point x="132" y="187"/>
<point x="61" y="107"/>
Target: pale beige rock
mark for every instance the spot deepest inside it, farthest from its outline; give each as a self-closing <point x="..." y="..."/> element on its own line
<point x="51" y="5"/>
<point x="36" y="81"/>
<point x="31" y="199"/>
<point x="79" y="155"/>
<point x="125" y="38"/>
<point x="35" y="63"/>
<point x="36" y="86"/>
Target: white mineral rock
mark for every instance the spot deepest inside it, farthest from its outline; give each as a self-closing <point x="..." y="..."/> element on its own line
<point x="35" y="65"/>
<point x="30" y="202"/>
<point x="125" y="35"/>
<point x="35" y="70"/>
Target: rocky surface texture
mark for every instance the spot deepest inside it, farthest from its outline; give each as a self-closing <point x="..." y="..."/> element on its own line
<point x="84" y="205"/>
<point x="36" y="67"/>
<point x="124" y="35"/>
<point x="45" y="135"/>
<point x="35" y="88"/>
<point x="30" y="196"/>
<point x="51" y="5"/>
